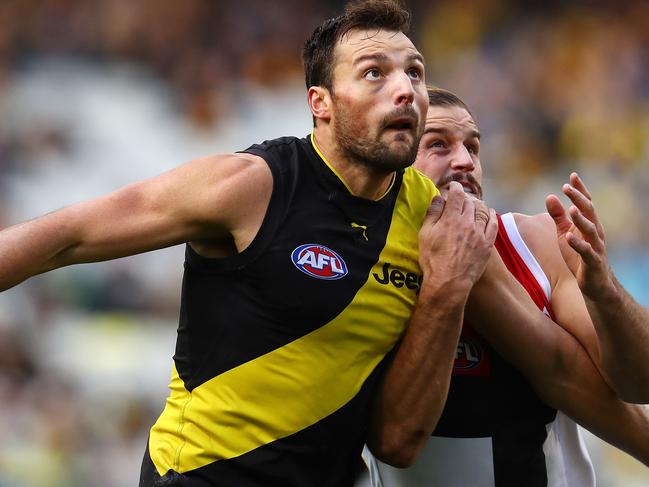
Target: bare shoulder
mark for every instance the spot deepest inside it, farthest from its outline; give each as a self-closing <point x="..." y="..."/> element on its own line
<point x="540" y="236"/>
<point x="232" y="192"/>
<point x="225" y="181"/>
<point x="535" y="228"/>
<point x="239" y="168"/>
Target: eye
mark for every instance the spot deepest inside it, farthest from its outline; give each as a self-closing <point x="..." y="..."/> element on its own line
<point x="473" y="149"/>
<point x="436" y="144"/>
<point x="372" y="74"/>
<point x="415" y="73"/>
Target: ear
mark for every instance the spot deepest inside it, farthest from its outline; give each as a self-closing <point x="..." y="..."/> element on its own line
<point x="319" y="101"/>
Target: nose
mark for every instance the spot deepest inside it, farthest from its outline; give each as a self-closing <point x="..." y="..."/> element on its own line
<point x="461" y="159"/>
<point x="404" y="91"/>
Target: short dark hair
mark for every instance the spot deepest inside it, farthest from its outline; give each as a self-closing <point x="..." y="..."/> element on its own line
<point x="439" y="97"/>
<point x="318" y="51"/>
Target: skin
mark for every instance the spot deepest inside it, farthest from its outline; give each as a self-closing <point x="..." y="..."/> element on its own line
<point x="621" y="324"/>
<point x="554" y="358"/>
<point x="414" y="388"/>
<point x="407" y="410"/>
<point x="386" y="87"/>
<point x="218" y="203"/>
<point x="378" y="78"/>
<point x="450" y="149"/>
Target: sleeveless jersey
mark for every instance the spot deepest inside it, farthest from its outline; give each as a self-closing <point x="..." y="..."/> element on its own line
<point x="494" y="430"/>
<point x="278" y="346"/>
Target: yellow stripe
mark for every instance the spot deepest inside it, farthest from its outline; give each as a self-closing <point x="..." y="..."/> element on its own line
<point x="303" y="382"/>
<point x="333" y="170"/>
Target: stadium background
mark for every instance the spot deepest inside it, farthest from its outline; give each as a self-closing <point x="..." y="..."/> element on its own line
<point x="96" y="94"/>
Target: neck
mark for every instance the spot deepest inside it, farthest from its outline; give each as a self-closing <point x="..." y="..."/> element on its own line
<point x="361" y="180"/>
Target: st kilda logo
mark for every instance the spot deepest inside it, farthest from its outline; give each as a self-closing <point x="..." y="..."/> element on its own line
<point x="319" y="261"/>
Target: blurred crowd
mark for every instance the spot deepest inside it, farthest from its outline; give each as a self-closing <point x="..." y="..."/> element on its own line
<point x="97" y="93"/>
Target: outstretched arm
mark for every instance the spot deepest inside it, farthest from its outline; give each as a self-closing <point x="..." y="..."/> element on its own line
<point x="622" y="325"/>
<point x="215" y="199"/>
<point x="454" y="245"/>
<point x="557" y="366"/>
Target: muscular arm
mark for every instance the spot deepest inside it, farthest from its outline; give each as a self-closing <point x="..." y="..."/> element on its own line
<point x="567" y="302"/>
<point x="621" y="324"/>
<point x="414" y="389"/>
<point x="558" y="367"/>
<point x="206" y="200"/>
<point x="453" y="252"/>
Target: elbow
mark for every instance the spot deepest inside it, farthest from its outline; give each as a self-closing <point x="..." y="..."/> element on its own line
<point x="396" y="457"/>
<point x="634" y="395"/>
<point x="399" y="450"/>
<point x="556" y="382"/>
<point x="630" y="385"/>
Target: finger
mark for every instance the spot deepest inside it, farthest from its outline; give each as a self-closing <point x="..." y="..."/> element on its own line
<point x="435" y="210"/>
<point x="491" y="228"/>
<point x="469" y="207"/>
<point x="587" y="228"/>
<point x="482" y="213"/>
<point x="455" y="197"/>
<point x="584" y="249"/>
<point x="577" y="182"/>
<point x="589" y="210"/>
<point x="558" y="213"/>
<point x="580" y="200"/>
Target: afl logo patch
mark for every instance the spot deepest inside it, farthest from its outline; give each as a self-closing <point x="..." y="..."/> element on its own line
<point x="472" y="354"/>
<point x="319" y="261"/>
<point x="468" y="354"/>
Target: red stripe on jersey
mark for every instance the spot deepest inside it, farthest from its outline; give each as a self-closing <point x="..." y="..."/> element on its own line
<point x="517" y="266"/>
<point x="472" y="355"/>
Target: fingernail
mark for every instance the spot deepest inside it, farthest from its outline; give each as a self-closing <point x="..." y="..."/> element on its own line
<point x="455" y="184"/>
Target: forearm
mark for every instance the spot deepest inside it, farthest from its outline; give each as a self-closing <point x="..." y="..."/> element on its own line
<point x="501" y="310"/>
<point x="582" y="394"/>
<point x="412" y="395"/>
<point x="622" y="327"/>
<point x="107" y="227"/>
<point x="34" y="247"/>
<point x="455" y="240"/>
<point x="555" y="363"/>
<point x="576" y="387"/>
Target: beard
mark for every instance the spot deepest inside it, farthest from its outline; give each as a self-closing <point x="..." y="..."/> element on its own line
<point x="354" y="139"/>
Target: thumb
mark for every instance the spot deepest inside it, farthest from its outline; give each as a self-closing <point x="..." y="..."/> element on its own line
<point x="435" y="210"/>
<point x="558" y="214"/>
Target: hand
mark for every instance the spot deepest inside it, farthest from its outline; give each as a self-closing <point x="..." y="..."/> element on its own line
<point x="581" y="238"/>
<point x="456" y="238"/>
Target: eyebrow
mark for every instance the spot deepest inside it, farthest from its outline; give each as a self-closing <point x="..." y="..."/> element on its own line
<point x="379" y="56"/>
<point x="417" y="57"/>
<point x="441" y="130"/>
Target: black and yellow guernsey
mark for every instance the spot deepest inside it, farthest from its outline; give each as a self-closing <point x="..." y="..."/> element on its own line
<point x="278" y="347"/>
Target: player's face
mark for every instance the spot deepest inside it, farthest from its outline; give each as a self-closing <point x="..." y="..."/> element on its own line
<point x="450" y="149"/>
<point x="379" y="99"/>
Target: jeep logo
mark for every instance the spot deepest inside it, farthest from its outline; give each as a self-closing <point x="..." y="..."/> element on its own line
<point x="397" y="278"/>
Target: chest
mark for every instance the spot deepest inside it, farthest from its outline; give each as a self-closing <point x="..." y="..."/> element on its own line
<point x="333" y="260"/>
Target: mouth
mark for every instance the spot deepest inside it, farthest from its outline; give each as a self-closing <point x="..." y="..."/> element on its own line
<point x="401" y="123"/>
<point x="469" y="183"/>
